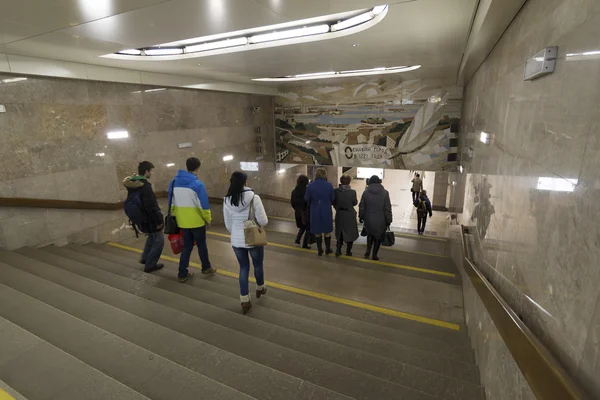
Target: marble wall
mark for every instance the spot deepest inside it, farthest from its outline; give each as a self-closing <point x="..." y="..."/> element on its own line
<point x="542" y="245"/>
<point x="55" y="146"/>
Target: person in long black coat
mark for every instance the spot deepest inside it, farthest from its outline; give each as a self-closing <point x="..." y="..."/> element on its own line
<point x="375" y="210"/>
<point x="300" y="207"/>
<point x="346" y="227"/>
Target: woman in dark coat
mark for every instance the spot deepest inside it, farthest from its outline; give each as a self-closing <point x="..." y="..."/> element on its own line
<point x="375" y="210"/>
<point x="320" y="196"/>
<point x="346" y="228"/>
<point x="300" y="207"/>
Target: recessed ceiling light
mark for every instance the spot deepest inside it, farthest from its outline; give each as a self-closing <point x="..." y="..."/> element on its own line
<point x="300" y="31"/>
<point x="169" y="165"/>
<point x="228" y="158"/>
<point x="342" y="74"/>
<point x="356" y="45"/>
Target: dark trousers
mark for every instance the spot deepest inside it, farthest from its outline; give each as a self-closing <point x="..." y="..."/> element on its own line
<point x="340" y="244"/>
<point x="153" y="249"/>
<point x="415" y="195"/>
<point x="243" y="255"/>
<point x="189" y="236"/>
<point x="373" y="243"/>
<point x="303" y="232"/>
<point x="421" y="221"/>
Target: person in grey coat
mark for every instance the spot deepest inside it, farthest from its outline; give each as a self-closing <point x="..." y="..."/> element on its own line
<point x="375" y="210"/>
<point x="346" y="228"/>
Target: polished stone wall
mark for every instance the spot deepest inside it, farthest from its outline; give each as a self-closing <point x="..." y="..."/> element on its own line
<point x="542" y="245"/>
<point x="55" y="146"/>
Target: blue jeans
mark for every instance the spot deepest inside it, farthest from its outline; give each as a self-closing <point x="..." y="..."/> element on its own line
<point x="243" y="255"/>
<point x="189" y="236"/>
<point x="153" y="249"/>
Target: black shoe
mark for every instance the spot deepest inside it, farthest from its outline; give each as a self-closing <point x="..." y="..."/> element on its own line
<point x="338" y="253"/>
<point x="155" y="268"/>
<point x="349" y="249"/>
<point x="297" y="241"/>
<point x="142" y="261"/>
<point x="348" y="254"/>
<point x="246" y="306"/>
<point x="307" y="247"/>
<point x="261" y="292"/>
<point x="209" y="271"/>
<point x="368" y="255"/>
<point x="375" y="258"/>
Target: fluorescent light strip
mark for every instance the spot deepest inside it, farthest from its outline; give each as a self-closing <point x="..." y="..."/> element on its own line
<point x="343" y="74"/>
<point x="265" y="35"/>
<point x="359" y="19"/>
<point x="163" y="52"/>
<point x="288" y="34"/>
<point x="131" y="52"/>
<point x="228" y="158"/>
<point x="221" y="44"/>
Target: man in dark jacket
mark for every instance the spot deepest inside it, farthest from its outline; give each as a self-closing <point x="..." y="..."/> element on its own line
<point x="152" y="219"/>
<point x="423" y="208"/>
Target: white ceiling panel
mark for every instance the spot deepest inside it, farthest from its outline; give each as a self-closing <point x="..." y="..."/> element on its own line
<point x="20" y="19"/>
<point x="177" y="20"/>
<point x="293" y="10"/>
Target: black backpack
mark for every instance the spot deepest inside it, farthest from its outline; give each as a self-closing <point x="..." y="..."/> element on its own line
<point x="133" y="208"/>
<point x="422" y="207"/>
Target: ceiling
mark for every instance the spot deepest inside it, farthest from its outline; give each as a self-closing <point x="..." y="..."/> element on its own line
<point x="432" y="33"/>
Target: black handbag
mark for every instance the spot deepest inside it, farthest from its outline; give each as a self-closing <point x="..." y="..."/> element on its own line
<point x="364" y="232"/>
<point x="171" y="227"/>
<point x="389" y="239"/>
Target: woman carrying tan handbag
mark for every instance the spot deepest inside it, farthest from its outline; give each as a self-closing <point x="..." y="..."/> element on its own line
<point x="245" y="218"/>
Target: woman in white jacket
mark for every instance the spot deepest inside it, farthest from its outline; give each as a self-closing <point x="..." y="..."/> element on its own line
<point x="236" y="211"/>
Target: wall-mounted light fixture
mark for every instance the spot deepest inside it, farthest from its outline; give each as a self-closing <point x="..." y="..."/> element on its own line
<point x="117" y="135"/>
<point x="341" y="74"/>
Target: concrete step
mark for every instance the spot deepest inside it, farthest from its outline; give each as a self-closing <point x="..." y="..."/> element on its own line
<point x="147" y="357"/>
<point x="258" y="349"/>
<point x="403" y="374"/>
<point x="287" y="364"/>
<point x="36" y="370"/>
<point x="298" y="333"/>
<point x="417" y="335"/>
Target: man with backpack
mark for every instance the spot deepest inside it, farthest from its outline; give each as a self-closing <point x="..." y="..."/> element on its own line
<point x="423" y="208"/>
<point x="144" y="215"/>
<point x="417" y="187"/>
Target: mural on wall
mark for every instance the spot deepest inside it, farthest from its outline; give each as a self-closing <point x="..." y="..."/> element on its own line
<point x="384" y="124"/>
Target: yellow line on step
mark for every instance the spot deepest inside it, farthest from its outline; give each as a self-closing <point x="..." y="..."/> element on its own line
<point x="381" y="263"/>
<point x="322" y="296"/>
<point x="5" y="396"/>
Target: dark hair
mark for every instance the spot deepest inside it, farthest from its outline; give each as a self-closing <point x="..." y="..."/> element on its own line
<point x="302" y="180"/>
<point x="192" y="164"/>
<point x="345" y="180"/>
<point x="374" y="179"/>
<point x="144" y="167"/>
<point x="236" y="188"/>
<point x="418" y="176"/>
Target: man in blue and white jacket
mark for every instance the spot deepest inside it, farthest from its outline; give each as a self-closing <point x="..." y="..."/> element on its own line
<point x="191" y="209"/>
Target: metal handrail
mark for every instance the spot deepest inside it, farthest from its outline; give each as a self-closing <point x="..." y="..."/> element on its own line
<point x="546" y="377"/>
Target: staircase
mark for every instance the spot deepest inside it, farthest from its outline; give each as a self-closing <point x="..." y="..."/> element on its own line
<point x="84" y="322"/>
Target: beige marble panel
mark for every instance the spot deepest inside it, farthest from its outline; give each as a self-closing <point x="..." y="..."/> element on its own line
<point x="542" y="247"/>
<point x="55" y="145"/>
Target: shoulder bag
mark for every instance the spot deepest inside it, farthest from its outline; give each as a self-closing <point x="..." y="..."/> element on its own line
<point x="171" y="227"/>
<point x="254" y="234"/>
